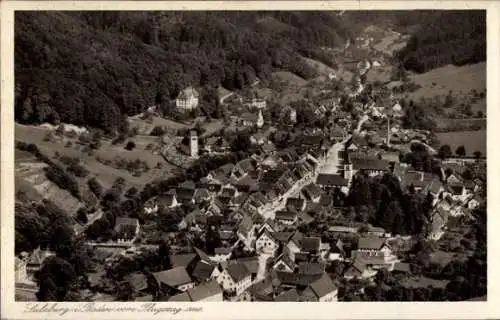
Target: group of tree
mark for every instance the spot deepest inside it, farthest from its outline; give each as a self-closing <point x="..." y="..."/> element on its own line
<point x="382" y="202"/>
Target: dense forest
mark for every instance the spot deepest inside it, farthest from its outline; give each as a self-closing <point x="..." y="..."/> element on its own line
<point x="448" y="38"/>
<point x="95" y="68"/>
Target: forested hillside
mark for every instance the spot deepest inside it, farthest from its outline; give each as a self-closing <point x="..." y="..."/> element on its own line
<point x="94" y="68"/>
<point x="448" y="38"/>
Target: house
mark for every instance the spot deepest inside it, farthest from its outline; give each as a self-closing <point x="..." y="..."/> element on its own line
<point x="256" y="103"/>
<point x="286" y="217"/>
<point x="268" y="225"/>
<point x="284" y="261"/>
<point x="185" y="195"/>
<point x="176" y="278"/>
<point x="359" y="270"/>
<point x="236" y="278"/>
<point x="372" y="244"/>
<point x="296" y="279"/>
<point x="391" y="157"/>
<point x="330" y="182"/>
<point x="439" y="218"/>
<point x="259" y="138"/>
<point x="266" y="242"/>
<point x="203" y="271"/>
<point x="187" y="99"/>
<point x="126" y="229"/>
<point x="251" y="263"/>
<point x="370" y="166"/>
<point x="243" y="168"/>
<point x="161" y="202"/>
<point x="342" y="230"/>
<point x="376" y="231"/>
<point x="201" y="195"/>
<point x="205" y="292"/>
<point x="321" y="290"/>
<point x="312" y="193"/>
<point x="296" y="204"/>
<point x="251" y="119"/>
<point x="402" y="268"/>
<point x="306" y="267"/>
<point x="294" y="243"/>
<point x="310" y="245"/>
<point x="475" y="202"/>
<point x="246" y="232"/>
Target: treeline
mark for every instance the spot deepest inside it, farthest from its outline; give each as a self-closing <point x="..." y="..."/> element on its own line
<point x="95" y="68"/>
<point x="449" y="37"/>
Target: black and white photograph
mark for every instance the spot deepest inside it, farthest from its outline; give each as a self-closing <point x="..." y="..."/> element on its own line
<point x="250" y="156"/>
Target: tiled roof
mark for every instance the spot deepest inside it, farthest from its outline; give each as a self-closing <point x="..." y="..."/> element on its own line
<point x="311" y="268"/>
<point x="291" y="295"/>
<point x="370" y="164"/>
<point x="202" y="271"/>
<point x="251" y="263"/>
<point x="372" y="243"/>
<point x="298" y="279"/>
<point x="204" y="290"/>
<point x="182" y="260"/>
<point x="174" y="277"/>
<point x="312" y="191"/>
<point x="309" y="244"/>
<point x="323" y="286"/>
<point x="238" y="271"/>
<point x="295" y="204"/>
<point x="245" y="225"/>
<point x="331" y="180"/>
<point x="286" y="215"/>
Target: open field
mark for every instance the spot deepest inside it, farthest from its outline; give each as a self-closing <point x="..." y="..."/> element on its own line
<point x="461" y="80"/>
<point x="381" y="74"/>
<point x="471" y="140"/>
<point x="289" y="77"/>
<point x="104" y="173"/>
<point x="424" y="282"/>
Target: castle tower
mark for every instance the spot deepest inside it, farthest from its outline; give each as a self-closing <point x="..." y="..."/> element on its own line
<point x="193" y="143"/>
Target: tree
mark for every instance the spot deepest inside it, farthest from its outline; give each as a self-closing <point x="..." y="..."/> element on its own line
<point x="95" y="186"/>
<point x="164" y="255"/>
<point x="460" y="151"/>
<point x="444" y="151"/>
<point x="477" y="154"/>
<point x="130" y="145"/>
<point x="81" y="215"/>
<point x="48" y="290"/>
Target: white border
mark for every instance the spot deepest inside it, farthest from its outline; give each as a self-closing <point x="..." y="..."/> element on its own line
<point x="354" y="310"/>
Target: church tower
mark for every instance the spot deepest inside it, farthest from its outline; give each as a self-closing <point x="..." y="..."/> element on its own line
<point x="193" y="143"/>
<point x="260" y="119"/>
<point x="348" y="170"/>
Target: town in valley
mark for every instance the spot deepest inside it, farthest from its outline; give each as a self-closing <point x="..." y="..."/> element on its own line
<point x="250" y="156"/>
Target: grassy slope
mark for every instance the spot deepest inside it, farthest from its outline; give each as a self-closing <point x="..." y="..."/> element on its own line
<point x="472" y="140"/>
